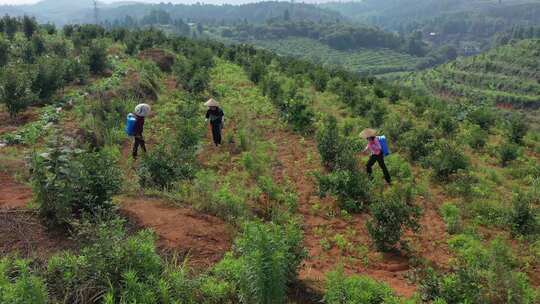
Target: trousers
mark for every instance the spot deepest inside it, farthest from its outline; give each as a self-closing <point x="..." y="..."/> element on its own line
<point x="139" y="142"/>
<point x="379" y="159"/>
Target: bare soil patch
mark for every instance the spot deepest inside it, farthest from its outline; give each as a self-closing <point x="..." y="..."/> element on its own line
<point x="23" y="234"/>
<point x="13" y="195"/>
<point x="203" y="238"/>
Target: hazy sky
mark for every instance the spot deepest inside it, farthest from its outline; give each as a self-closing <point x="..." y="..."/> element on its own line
<point x="107" y="1"/>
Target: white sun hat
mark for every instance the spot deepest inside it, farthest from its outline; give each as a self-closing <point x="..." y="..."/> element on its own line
<point x="142" y="110"/>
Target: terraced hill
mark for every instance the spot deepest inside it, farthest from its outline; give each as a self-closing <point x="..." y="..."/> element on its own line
<point x="507" y="76"/>
<point x="366" y="61"/>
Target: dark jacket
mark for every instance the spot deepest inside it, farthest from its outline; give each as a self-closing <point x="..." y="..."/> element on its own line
<point x="215" y="116"/>
<point x="139" y="125"/>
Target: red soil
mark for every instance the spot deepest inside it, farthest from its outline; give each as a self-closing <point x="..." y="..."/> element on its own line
<point x="204" y="238"/>
<point x="13" y="194"/>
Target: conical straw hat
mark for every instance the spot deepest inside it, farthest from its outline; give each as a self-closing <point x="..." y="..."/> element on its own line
<point x="211" y="103"/>
<point x="367" y="133"/>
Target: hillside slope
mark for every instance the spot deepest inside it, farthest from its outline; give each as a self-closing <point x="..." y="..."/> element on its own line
<point x="508" y="76"/>
<point x="285" y="200"/>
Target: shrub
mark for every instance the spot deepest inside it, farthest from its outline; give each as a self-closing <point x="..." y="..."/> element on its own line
<point x="299" y="115"/>
<point x="95" y="57"/>
<point x="69" y="183"/>
<point x="447" y="160"/>
<point x="484" y="117"/>
<point x="329" y="142"/>
<point x="355" y="289"/>
<point x="352" y="188"/>
<point x="391" y="216"/>
<point x="15" y="90"/>
<point x="111" y="262"/>
<point x="452" y="218"/>
<point x="522" y="217"/>
<point x="417" y="142"/>
<point x="270" y="255"/>
<point x="29" y="26"/>
<point x="508" y="152"/>
<point x="4" y="52"/>
<point x="479" y="275"/>
<point x="476" y="137"/>
<point x="518" y="127"/>
<point x="158" y="168"/>
<point x="376" y="114"/>
<point x="49" y="77"/>
<point x="18" y="285"/>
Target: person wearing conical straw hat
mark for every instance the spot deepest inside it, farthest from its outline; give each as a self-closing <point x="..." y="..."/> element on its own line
<point x="377" y="155"/>
<point x="215" y="116"/>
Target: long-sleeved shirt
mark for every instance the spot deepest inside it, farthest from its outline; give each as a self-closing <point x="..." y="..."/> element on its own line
<point x="139" y="125"/>
<point x="215" y="116"/>
<point x="374" y="146"/>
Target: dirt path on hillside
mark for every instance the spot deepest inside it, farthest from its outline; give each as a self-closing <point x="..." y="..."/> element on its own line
<point x="292" y="151"/>
<point x="13" y="195"/>
<point x="204" y="239"/>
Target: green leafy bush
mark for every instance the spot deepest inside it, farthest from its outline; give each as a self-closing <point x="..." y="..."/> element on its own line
<point x="446" y="160"/>
<point x="299" y="115"/>
<point x="452" y="217"/>
<point x="518" y="127"/>
<point x="69" y="182"/>
<point x="49" y="77"/>
<point x="523" y="216"/>
<point x="391" y="216"/>
<point x="329" y="142"/>
<point x="341" y="289"/>
<point x="351" y="187"/>
<point x="484" y="117"/>
<point x="18" y="285"/>
<point x="95" y="57"/>
<point x="15" y="90"/>
<point x="268" y="259"/>
<point x="417" y="142"/>
<point x="128" y="267"/>
<point x="476" y="137"/>
<point x="479" y="275"/>
<point x="508" y="152"/>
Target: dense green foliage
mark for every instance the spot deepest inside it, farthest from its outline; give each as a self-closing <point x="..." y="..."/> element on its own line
<point x="70" y="183"/>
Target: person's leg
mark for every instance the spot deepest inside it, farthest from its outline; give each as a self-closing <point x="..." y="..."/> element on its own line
<point x="135" y="147"/>
<point x="142" y="143"/>
<point x="219" y="134"/>
<point x="370" y="163"/>
<point x="215" y="133"/>
<point x="380" y="160"/>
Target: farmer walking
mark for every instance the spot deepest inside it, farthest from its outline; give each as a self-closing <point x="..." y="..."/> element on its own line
<point x="141" y="111"/>
<point x="377" y="155"/>
<point x="215" y="116"/>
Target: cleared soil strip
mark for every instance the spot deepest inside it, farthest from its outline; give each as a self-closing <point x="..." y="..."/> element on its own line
<point x="13" y="195"/>
<point x="203" y="238"/>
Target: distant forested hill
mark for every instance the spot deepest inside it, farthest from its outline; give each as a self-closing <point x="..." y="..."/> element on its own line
<point x="468" y="25"/>
<point x="61" y="12"/>
<point x="508" y="75"/>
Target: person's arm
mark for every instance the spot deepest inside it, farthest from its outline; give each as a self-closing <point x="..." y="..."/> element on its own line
<point x="365" y="149"/>
<point x="207" y="116"/>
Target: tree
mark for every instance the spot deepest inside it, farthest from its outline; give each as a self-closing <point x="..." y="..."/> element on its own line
<point x="29" y="26"/>
<point x="96" y="57"/>
<point x="11" y="25"/>
<point x="15" y="90"/>
<point x="4" y="52"/>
